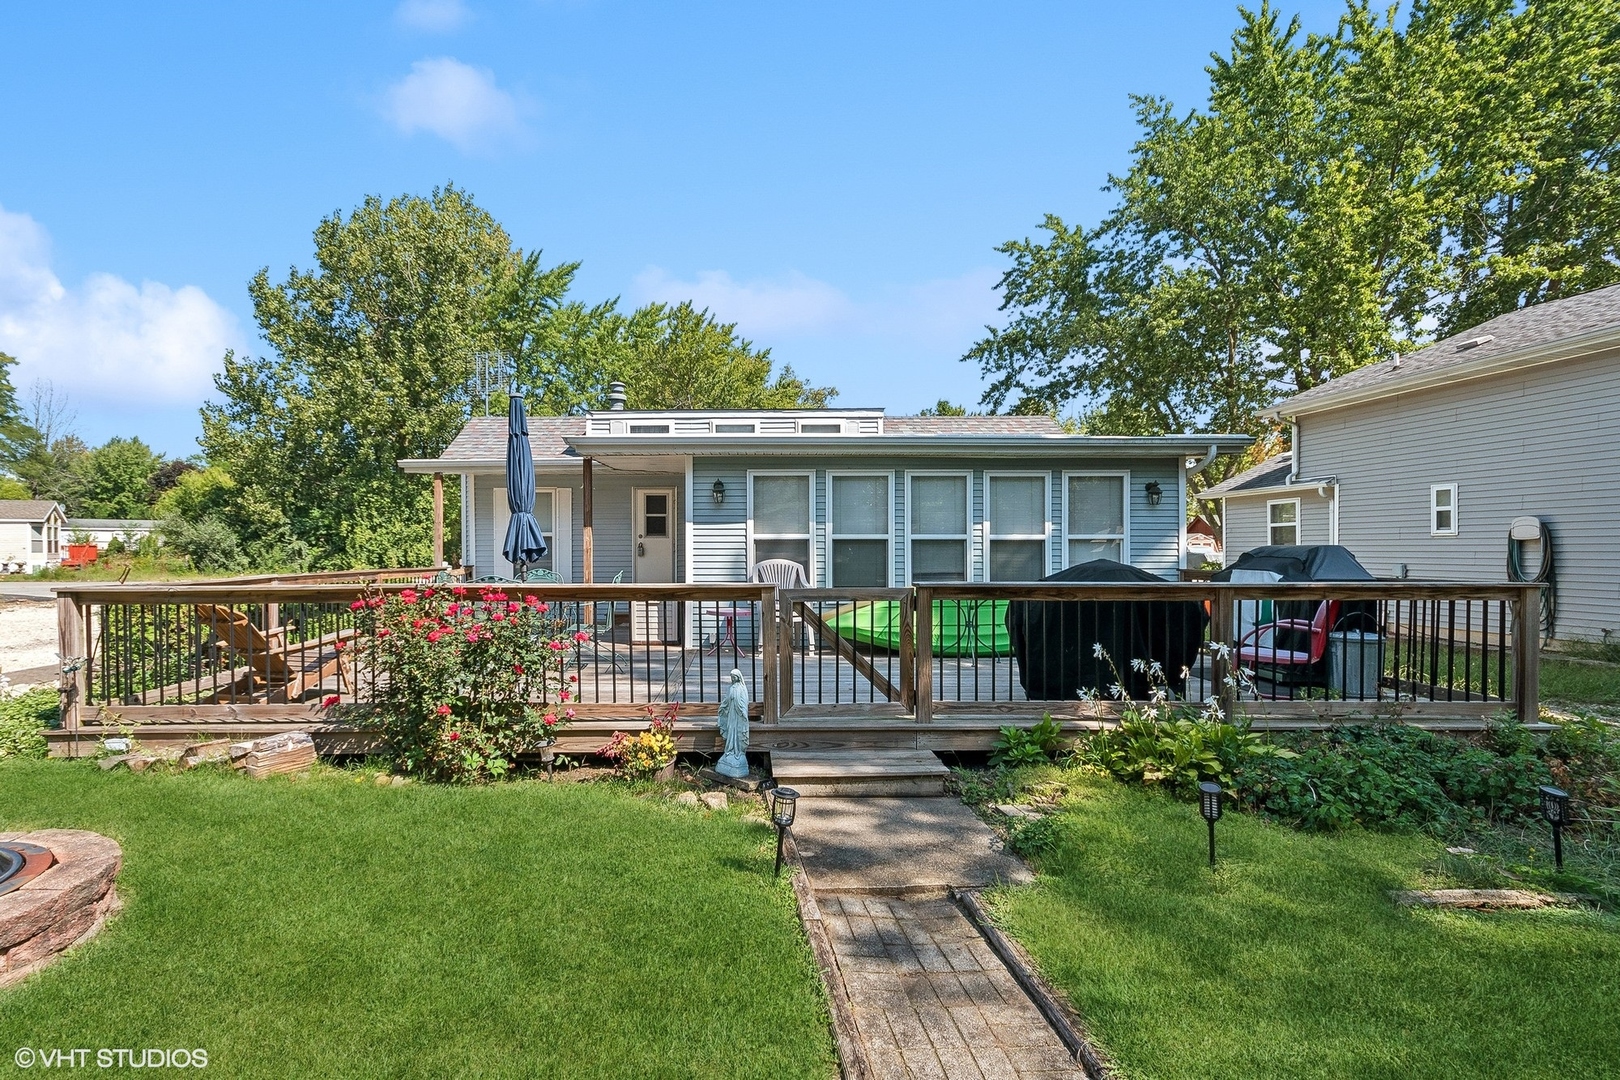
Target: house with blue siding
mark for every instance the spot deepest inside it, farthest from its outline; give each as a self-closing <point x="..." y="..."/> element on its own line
<point x="856" y="497"/>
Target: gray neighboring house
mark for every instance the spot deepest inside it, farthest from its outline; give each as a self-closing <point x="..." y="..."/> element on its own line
<point x="1419" y="465"/>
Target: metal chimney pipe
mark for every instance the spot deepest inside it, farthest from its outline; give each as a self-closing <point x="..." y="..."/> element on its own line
<point x="616" y="396"/>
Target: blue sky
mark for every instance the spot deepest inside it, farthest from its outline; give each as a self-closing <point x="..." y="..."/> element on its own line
<point x="834" y="178"/>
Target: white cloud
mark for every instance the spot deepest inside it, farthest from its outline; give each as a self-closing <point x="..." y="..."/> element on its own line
<point x="796" y="304"/>
<point x="457" y="102"/>
<point x="937" y="313"/>
<point x="437" y="16"/>
<point x="106" y="340"/>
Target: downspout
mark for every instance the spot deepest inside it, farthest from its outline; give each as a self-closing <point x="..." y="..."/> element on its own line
<point x="1204" y="462"/>
<point x="1293" y="450"/>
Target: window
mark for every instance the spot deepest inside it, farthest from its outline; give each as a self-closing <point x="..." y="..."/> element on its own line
<point x="779" y="516"/>
<point x="545" y="515"/>
<point x="734" y="429"/>
<point x="1016" y="523"/>
<point x="858" y="529"/>
<point x="821" y="429"/>
<point x="1094" y="517"/>
<point x="1282" y="521"/>
<point x="649" y="429"/>
<point x="939" y="527"/>
<point x="38" y="543"/>
<point x="1443" y="510"/>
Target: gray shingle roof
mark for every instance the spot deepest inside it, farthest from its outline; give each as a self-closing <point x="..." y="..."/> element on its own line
<point x="1539" y="324"/>
<point x="485" y="437"/>
<point x="1270" y="473"/>
<point x="971" y="425"/>
<point x="25" y="509"/>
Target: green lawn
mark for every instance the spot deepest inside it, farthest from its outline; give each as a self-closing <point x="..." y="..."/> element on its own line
<point x="1566" y="683"/>
<point x="328" y="927"/>
<point x="1291" y="961"/>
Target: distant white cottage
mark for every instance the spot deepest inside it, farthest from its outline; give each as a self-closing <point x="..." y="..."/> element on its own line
<point x="30" y="534"/>
<point x="1423" y="465"/>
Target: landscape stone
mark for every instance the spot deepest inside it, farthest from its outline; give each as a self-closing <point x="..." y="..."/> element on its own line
<point x="715" y="800"/>
<point x="688" y="798"/>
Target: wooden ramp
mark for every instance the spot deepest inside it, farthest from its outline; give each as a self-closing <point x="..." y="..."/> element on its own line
<point x="869" y="773"/>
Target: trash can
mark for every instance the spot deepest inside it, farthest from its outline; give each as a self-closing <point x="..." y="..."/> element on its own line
<point x="1355" y="664"/>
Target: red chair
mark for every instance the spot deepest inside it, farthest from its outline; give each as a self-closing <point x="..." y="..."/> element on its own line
<point x="1252" y="651"/>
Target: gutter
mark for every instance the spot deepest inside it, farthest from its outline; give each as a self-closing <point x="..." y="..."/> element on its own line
<point x="1567" y="348"/>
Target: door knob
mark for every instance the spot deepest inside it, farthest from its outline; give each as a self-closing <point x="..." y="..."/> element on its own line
<point x="641" y="549"/>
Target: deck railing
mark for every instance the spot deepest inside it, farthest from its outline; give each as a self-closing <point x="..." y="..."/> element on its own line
<point x="269" y="650"/>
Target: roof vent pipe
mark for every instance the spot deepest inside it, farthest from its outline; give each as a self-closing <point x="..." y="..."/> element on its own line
<point x="616" y="396"/>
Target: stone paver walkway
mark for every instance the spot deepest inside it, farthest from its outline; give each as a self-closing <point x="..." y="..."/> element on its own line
<point x="930" y="997"/>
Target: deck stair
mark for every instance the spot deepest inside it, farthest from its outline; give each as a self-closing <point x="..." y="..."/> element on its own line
<point x="857" y="773"/>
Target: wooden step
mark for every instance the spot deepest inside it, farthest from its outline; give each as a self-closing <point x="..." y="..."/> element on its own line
<point x="870" y="773"/>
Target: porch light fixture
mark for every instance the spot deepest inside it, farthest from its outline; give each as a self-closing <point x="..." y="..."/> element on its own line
<point x="1209" y="804"/>
<point x="784" y="802"/>
<point x="1154" y="492"/>
<point x="1555" y="808"/>
<point x="719" y="492"/>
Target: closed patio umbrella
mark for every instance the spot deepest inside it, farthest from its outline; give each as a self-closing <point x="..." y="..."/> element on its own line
<point x="524" y="544"/>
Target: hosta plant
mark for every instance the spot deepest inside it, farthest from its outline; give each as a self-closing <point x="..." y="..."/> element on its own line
<point x="465" y="680"/>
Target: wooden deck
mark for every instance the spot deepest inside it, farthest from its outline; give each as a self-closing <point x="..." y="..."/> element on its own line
<point x="812" y="689"/>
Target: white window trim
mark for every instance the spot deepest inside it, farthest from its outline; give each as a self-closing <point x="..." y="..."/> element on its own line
<point x="1435" y="508"/>
<point x="833" y="535"/>
<point x="810" y="517"/>
<point x="1124" y="536"/>
<point x="990" y="534"/>
<point x="966" y="535"/>
<point x="1298" y="534"/>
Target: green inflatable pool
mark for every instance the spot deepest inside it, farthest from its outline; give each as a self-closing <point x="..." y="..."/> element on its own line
<point x="961" y="627"/>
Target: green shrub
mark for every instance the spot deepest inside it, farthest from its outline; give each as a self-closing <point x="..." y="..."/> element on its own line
<point x="1034" y="837"/>
<point x="464" y="685"/>
<point x="1393" y="775"/>
<point x="1033" y="745"/>
<point x="23" y="720"/>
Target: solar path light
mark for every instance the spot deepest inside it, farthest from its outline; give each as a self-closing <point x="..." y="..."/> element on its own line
<point x="1555" y="808"/>
<point x="784" y="802"/>
<point x="1209" y="804"/>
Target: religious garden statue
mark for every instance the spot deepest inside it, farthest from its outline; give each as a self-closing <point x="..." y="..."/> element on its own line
<point x="734" y="728"/>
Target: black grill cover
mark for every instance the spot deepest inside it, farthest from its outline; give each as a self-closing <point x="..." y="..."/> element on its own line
<point x="1310" y="562"/>
<point x="1053" y="640"/>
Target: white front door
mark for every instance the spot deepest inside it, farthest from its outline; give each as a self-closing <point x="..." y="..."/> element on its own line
<point x="653" y="562"/>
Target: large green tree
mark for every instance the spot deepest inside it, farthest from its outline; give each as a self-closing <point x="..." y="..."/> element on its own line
<point x="1339" y="198"/>
<point x="118" y="480"/>
<point x="377" y="356"/>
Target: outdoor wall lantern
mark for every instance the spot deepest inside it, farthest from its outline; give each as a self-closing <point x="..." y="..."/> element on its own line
<point x="784" y="801"/>
<point x="1154" y="492"/>
<point x="719" y="492"/>
<point x="1555" y="808"/>
<point x="1209" y="804"/>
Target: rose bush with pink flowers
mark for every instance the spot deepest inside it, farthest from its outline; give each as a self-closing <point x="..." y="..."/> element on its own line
<point x="464" y="680"/>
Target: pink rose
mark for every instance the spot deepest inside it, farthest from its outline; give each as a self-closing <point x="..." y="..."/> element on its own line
<point x="443" y="710"/>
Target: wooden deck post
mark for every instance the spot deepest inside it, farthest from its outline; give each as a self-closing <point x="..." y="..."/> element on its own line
<point x="784" y="653"/>
<point x="1527" y="654"/>
<point x="908" y="654"/>
<point x="771" y="705"/>
<point x="1221" y="625"/>
<point x="587" y="547"/>
<point x="924" y="634"/>
<point x="438" y="519"/>
<point x="70" y="642"/>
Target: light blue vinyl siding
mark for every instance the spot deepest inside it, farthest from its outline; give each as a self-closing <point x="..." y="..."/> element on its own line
<point x="720" y="533"/>
<point x="611" y="512"/>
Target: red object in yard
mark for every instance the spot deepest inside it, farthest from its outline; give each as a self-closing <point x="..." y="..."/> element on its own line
<point x="80" y="555"/>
